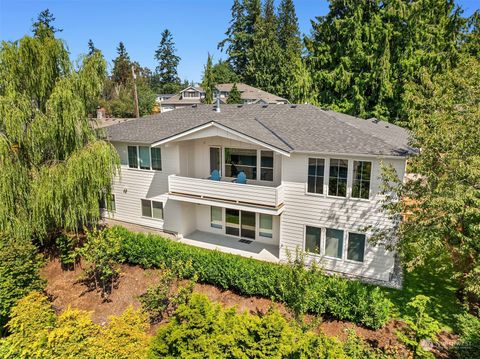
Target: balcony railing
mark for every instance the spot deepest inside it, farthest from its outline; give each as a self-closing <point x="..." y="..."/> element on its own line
<point x="226" y="191"/>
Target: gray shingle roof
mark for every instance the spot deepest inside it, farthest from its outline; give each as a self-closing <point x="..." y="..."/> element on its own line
<point x="248" y="92"/>
<point x="303" y="128"/>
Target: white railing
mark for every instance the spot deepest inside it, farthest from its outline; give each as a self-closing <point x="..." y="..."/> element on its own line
<point x="226" y="191"/>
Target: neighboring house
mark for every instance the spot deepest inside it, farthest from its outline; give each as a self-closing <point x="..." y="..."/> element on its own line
<point x="193" y="95"/>
<point x="312" y="181"/>
<point x="163" y="96"/>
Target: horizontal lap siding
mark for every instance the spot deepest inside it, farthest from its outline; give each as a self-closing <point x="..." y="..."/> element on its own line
<point x="353" y="215"/>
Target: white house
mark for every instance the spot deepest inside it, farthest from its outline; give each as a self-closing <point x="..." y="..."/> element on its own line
<point x="312" y="181"/>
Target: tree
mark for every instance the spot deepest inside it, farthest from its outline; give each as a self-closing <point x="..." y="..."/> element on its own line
<point x="122" y="66"/>
<point x="223" y="73"/>
<point x="440" y="206"/>
<point x="208" y="81"/>
<point x="288" y="33"/>
<point x="55" y="168"/>
<point x="166" y="71"/>
<point x="43" y="26"/>
<point x="234" y="95"/>
<point x="91" y="47"/>
<point x="361" y="55"/>
<point x="471" y="42"/>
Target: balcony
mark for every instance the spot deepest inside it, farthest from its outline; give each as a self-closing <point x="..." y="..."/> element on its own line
<point x="198" y="190"/>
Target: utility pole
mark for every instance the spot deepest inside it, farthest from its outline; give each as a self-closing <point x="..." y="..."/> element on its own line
<point x="135" y="95"/>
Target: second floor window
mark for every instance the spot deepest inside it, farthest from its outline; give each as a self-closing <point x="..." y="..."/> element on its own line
<point x="337" y="183"/>
<point x="266" y="169"/>
<point x="316" y="168"/>
<point x="132" y="157"/>
<point x="239" y="159"/>
<point x="145" y="158"/>
<point x="361" y="179"/>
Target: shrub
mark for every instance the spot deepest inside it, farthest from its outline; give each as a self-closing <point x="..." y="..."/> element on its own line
<point x="468" y="346"/>
<point x="420" y="327"/>
<point x="20" y="266"/>
<point x="67" y="253"/>
<point x="101" y="253"/>
<point x="303" y="290"/>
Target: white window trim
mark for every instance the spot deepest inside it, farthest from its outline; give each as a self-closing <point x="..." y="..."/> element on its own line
<point x="364" y="248"/>
<point x="370" y="184"/>
<point x="325" y="182"/>
<point x="151" y="209"/>
<point x="138" y="159"/>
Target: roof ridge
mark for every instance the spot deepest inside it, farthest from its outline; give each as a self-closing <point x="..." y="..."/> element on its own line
<point x="273" y="133"/>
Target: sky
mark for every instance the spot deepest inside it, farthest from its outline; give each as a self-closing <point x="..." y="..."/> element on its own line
<point x="197" y="25"/>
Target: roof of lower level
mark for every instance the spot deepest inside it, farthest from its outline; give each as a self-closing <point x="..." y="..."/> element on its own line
<point x="289" y="128"/>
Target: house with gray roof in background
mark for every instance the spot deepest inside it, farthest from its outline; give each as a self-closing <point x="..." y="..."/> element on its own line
<point x="262" y="181"/>
<point x="194" y="95"/>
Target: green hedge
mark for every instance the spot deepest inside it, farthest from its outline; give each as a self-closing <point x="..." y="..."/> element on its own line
<point x="303" y="290"/>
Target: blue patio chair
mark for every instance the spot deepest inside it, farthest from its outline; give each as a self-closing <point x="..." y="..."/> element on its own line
<point x="241" y="178"/>
<point x="215" y="176"/>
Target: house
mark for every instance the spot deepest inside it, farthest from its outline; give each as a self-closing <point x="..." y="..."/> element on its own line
<point x="312" y="182"/>
<point x="194" y="95"/>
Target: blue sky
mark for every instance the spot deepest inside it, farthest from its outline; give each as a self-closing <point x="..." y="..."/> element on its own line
<point x="197" y="25"/>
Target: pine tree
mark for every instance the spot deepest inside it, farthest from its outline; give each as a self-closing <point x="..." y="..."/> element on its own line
<point x="166" y="71"/>
<point x="121" y="66"/>
<point x="288" y="33"/>
<point x="234" y="96"/>
<point x="43" y="26"/>
<point x="91" y="47"/>
<point x="208" y="82"/>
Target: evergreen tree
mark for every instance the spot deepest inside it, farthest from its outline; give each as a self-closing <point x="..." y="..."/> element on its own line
<point x="223" y="73"/>
<point x="43" y="26"/>
<point x="54" y="167"/>
<point x="166" y="71"/>
<point x="471" y="44"/>
<point x="122" y="66"/>
<point x="234" y="96"/>
<point x="288" y="33"/>
<point x="91" y="47"/>
<point x="208" y="82"/>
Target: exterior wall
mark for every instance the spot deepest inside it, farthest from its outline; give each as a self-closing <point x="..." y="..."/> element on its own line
<point x="348" y="214"/>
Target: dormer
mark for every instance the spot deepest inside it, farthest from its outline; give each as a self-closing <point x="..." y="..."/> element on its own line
<point x="191" y="93"/>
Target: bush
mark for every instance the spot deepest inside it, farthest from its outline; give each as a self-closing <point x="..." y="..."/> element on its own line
<point x="320" y="294"/>
<point x="468" y="346"/>
<point x="67" y="253"/>
<point x="20" y="266"/>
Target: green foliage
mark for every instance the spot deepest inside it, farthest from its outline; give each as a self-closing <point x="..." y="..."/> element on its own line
<point x="122" y="66"/>
<point x="43" y="26"/>
<point x="442" y="202"/>
<point x="342" y="298"/>
<point x="66" y="245"/>
<point x="420" y="327"/>
<point x="37" y="332"/>
<point x="208" y="80"/>
<point x="101" y="254"/>
<point x="468" y="346"/>
<point x="223" y="73"/>
<point x="234" y="96"/>
<point x="19" y="272"/>
<point x="54" y="167"/>
<point x="166" y="78"/>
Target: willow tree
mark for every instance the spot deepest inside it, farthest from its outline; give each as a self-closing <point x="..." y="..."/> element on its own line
<point x="53" y="166"/>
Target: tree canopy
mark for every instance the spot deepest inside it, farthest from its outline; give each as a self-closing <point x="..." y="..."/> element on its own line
<point x="234" y="96"/>
<point x="166" y="76"/>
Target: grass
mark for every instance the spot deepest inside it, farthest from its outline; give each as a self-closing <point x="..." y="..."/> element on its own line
<point x="437" y="285"/>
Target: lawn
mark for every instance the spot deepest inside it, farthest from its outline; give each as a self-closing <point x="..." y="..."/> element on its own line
<point x="437" y="285"/>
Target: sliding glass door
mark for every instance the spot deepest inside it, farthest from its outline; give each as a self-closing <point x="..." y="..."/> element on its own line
<point x="232" y="222"/>
<point x="240" y="223"/>
<point x="248" y="225"/>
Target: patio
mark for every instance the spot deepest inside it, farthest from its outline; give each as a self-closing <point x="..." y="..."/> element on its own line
<point x="228" y="244"/>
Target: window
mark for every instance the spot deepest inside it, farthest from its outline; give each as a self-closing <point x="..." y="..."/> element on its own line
<point x="316" y="168"/>
<point x="132" y="157"/>
<point x="237" y="160"/>
<point x="356" y="247"/>
<point x="144" y="157"/>
<point x="156" y="158"/>
<point x="266" y="166"/>
<point x="108" y="203"/>
<point x="152" y="209"/>
<point x="232" y="221"/>
<point x="334" y="243"/>
<point x="312" y="239"/>
<point x="266" y="225"/>
<point x="216" y="220"/>
<point x="361" y="179"/>
<point x="337" y="184"/>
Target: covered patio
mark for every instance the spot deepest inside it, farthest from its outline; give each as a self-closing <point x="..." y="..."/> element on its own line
<point x="229" y="244"/>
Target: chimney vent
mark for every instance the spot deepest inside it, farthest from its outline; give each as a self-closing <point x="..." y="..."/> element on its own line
<point x="218" y="104"/>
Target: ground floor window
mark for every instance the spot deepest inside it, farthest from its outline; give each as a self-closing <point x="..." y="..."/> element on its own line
<point x="266" y="225"/>
<point x="108" y="203"/>
<point x="312" y="239"/>
<point x="152" y="209"/>
<point x="216" y="218"/>
<point x="356" y="247"/>
<point x="334" y="243"/>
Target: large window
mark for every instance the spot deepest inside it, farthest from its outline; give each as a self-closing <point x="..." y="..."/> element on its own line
<point x="316" y="168"/>
<point x="132" y="157"/>
<point x="266" y="225"/>
<point x="152" y="209"/>
<point x="356" y="247"/>
<point x="237" y="160"/>
<point x="362" y="171"/>
<point x="313" y="239"/>
<point x="337" y="184"/>
<point x="145" y="158"/>
<point x="266" y="163"/>
<point x="334" y="243"/>
<point x="216" y="220"/>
